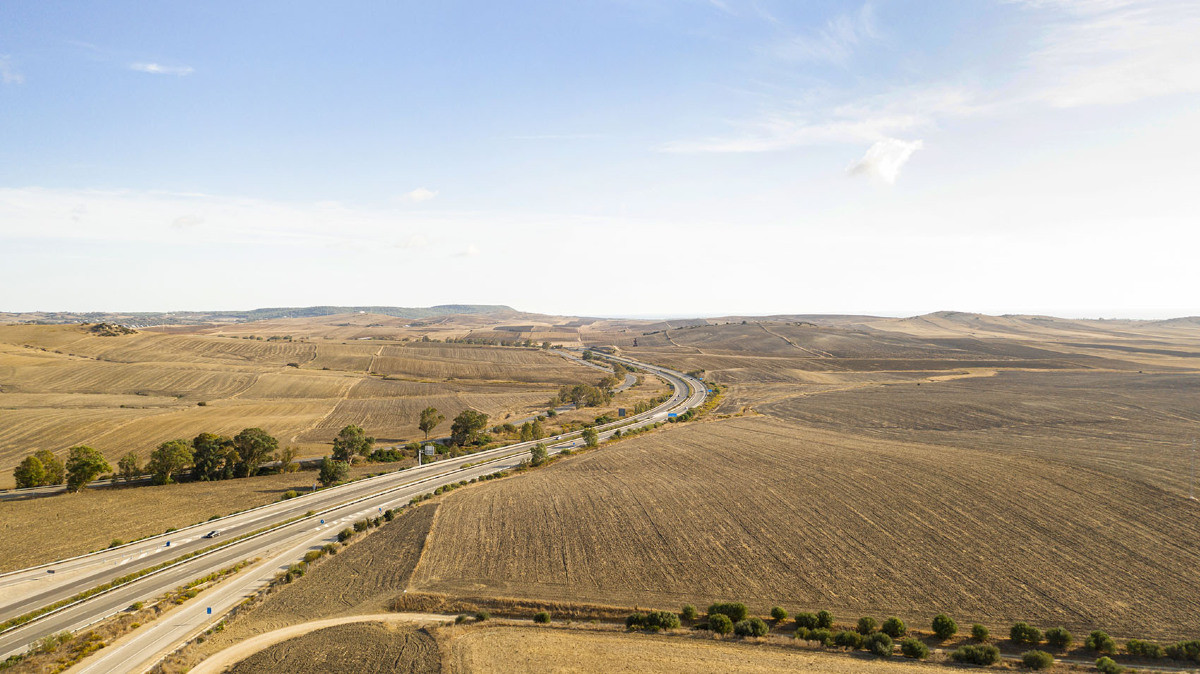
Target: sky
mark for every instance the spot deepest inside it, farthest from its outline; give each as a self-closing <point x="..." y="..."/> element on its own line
<point x="603" y="157"/>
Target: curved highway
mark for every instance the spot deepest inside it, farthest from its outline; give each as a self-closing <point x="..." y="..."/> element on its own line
<point x="283" y="543"/>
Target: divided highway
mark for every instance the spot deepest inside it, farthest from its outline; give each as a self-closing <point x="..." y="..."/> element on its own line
<point x="277" y="547"/>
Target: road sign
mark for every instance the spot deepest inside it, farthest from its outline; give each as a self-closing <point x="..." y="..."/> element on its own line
<point x="672" y="415"/>
<point x="428" y="450"/>
<point x="322" y="521"/>
<point x="210" y="610"/>
<point x="620" y="411"/>
<point x="168" y="544"/>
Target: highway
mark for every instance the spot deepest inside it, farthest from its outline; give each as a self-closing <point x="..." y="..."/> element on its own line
<point x="282" y="544"/>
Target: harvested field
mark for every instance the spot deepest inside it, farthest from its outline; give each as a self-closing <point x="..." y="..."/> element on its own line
<point x="482" y="650"/>
<point x="768" y="512"/>
<point x="96" y="516"/>
<point x="357" y="647"/>
<point x="60" y="386"/>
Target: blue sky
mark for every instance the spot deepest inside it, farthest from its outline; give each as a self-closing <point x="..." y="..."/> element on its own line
<point x="889" y="157"/>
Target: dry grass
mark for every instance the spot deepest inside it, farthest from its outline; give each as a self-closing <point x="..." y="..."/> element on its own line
<point x="772" y="513"/>
<point x="61" y="386"/>
<point x="481" y="650"/>
<point x="358" y="647"/>
<point x="95" y="517"/>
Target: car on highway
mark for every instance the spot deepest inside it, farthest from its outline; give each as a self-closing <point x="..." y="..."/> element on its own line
<point x="212" y="534"/>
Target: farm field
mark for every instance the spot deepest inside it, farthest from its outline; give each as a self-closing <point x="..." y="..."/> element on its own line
<point x="357" y="647"/>
<point x="96" y="516"/>
<point x="61" y="385"/>
<point x="769" y="512"/>
<point x="487" y="649"/>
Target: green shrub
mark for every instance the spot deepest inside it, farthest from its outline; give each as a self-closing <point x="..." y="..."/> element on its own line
<point x="1059" y="637"/>
<point x="289" y="494"/>
<point x="720" y="623"/>
<point x="1106" y="665"/>
<point x="361" y="525"/>
<point x="689" y="612"/>
<point x="824" y="620"/>
<point x="751" y="627"/>
<point x="635" y="621"/>
<point x="807" y="621"/>
<point x="389" y="515"/>
<point x="312" y="556"/>
<point x="116" y="542"/>
<point x="821" y="636"/>
<point x="880" y="644"/>
<point x="541" y="617"/>
<point x="460" y="618"/>
<point x="1184" y="650"/>
<point x="1037" y="659"/>
<point x="329" y="549"/>
<point x="979" y="633"/>
<point x="893" y="627"/>
<point x="662" y="620"/>
<point x="976" y="655"/>
<point x="1101" y="643"/>
<point x="1024" y="633"/>
<point x="1144" y="649"/>
<point x="482" y="616"/>
<point x="914" y="648"/>
<point x="944" y="626"/>
<point x="848" y="639"/>
<point x="735" y="610"/>
<point x="345" y="535"/>
<point x="866" y="625"/>
<point x="778" y="614"/>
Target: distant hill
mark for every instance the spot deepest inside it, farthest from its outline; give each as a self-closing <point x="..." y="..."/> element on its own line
<point x="204" y="317"/>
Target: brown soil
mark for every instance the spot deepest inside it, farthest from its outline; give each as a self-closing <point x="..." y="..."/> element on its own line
<point x="358" y="647"/>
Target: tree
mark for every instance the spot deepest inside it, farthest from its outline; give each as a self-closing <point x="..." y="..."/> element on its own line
<point x="537" y="430"/>
<point x="1037" y="659"/>
<point x="751" y="627"/>
<point x="977" y="655"/>
<point x="979" y="633"/>
<point x="128" y="468"/>
<point x="866" y="625"/>
<point x="944" y="626"/>
<point x="168" y="460"/>
<point x="1024" y="633"/>
<point x="30" y="473"/>
<point x="526" y="432"/>
<point x="83" y="465"/>
<point x="778" y="613"/>
<point x="352" y="441"/>
<point x="735" y="610"/>
<point x="1058" y="637"/>
<point x="894" y="627"/>
<point x="333" y="472"/>
<point x="1106" y="665"/>
<point x="287" y="459"/>
<point x="879" y="643"/>
<point x="720" y="623"/>
<point x="253" y="446"/>
<point x="689" y="612"/>
<point x="590" y="437"/>
<point x="466" y="426"/>
<point x="213" y="457"/>
<point x="1101" y="643"/>
<point x="913" y="648"/>
<point x="430" y="418"/>
<point x="824" y="619"/>
<point x="807" y="621"/>
<point x="538" y="455"/>
<point x="55" y="471"/>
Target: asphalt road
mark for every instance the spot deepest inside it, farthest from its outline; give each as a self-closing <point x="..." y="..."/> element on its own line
<point x="277" y="548"/>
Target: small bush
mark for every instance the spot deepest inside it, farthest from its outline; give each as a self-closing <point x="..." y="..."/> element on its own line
<point x="542" y="617"/>
<point x="976" y="655"/>
<point x="866" y="625"/>
<point x="389" y="515"/>
<point x="778" y="614"/>
<point x="1145" y="649"/>
<point x="329" y="549"/>
<point x="751" y="627"/>
<point x="893" y="627"/>
<point x="1106" y="665"/>
<point x="1184" y="650"/>
<point x="819" y="635"/>
<point x="944" y="626"/>
<point x="116" y="542"/>
<point x="880" y="644"/>
<point x="824" y="620"/>
<point x="361" y="525"/>
<point x="914" y="648"/>
<point x="807" y="621"/>
<point x="312" y="556"/>
<point x="136" y="606"/>
<point x="720" y="623"/>
<point x="1037" y="659"/>
<point x="689" y="612"/>
<point x="848" y="639"/>
<point x="1024" y="633"/>
<point x="635" y="621"/>
<point x="482" y="616"/>
<point x="979" y="633"/>
<point x="659" y="620"/>
<point x="345" y="535"/>
<point x="1101" y="643"/>
<point x="1058" y="637"/>
<point x="735" y="610"/>
<point x="289" y="494"/>
<point x="460" y="618"/>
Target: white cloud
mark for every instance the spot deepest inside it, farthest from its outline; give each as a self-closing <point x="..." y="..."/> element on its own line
<point x="836" y="41"/>
<point x="470" y="251"/>
<point x="1100" y="52"/>
<point x="160" y="69"/>
<point x="186" y="221"/>
<point x="885" y="158"/>
<point x="8" y="72"/>
<point x="420" y="194"/>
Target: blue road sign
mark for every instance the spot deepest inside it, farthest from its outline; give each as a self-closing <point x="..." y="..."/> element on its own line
<point x="322" y="521"/>
<point x="672" y="415"/>
<point x="210" y="610"/>
<point x="168" y="544"/>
